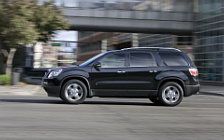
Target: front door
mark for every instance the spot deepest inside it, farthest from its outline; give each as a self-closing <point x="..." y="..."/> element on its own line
<point x="111" y="77"/>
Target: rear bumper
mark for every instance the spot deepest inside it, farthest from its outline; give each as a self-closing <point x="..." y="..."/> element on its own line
<point x="191" y="89"/>
<point x="51" y="88"/>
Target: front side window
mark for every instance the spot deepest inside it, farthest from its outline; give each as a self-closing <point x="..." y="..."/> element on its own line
<point x="141" y="59"/>
<point x="113" y="61"/>
<point x="173" y="59"/>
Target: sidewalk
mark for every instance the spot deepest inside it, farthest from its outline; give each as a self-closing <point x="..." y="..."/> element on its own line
<point x="212" y="90"/>
<point x="22" y="89"/>
<point x="26" y="89"/>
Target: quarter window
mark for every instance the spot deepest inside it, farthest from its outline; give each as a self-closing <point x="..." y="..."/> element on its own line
<point x="141" y="60"/>
<point x="113" y="61"/>
<point x="173" y="59"/>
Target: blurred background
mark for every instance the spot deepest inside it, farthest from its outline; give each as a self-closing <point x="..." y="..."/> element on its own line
<point x="94" y="26"/>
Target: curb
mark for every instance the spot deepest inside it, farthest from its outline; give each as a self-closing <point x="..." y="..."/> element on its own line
<point x="27" y="91"/>
<point x="22" y="94"/>
<point x="212" y="94"/>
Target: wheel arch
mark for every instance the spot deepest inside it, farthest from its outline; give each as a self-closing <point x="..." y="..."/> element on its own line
<point x="77" y="77"/>
<point x="172" y="79"/>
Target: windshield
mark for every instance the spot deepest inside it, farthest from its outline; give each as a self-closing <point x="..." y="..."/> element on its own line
<point x="91" y="60"/>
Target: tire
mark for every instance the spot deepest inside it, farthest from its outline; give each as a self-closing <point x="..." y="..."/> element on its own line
<point x="171" y="94"/>
<point x="74" y="92"/>
<point x="155" y="100"/>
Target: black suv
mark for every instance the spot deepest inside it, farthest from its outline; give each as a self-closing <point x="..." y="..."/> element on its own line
<point x="164" y="75"/>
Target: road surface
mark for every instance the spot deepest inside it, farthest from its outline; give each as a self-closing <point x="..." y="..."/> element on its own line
<point x="199" y="117"/>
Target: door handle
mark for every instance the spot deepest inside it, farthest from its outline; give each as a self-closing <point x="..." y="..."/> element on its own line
<point x="121" y="71"/>
<point x="152" y="71"/>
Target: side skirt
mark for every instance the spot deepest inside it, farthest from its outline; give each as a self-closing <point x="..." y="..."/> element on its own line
<point x="124" y="93"/>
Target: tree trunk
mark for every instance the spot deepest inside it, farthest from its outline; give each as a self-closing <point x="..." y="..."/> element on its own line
<point x="10" y="61"/>
<point x="1" y="63"/>
<point x="3" y="57"/>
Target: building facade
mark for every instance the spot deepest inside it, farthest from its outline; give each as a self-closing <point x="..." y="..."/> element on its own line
<point x="209" y="40"/>
<point x="205" y="44"/>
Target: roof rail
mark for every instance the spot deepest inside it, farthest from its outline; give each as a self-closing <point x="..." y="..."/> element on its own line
<point x="152" y="48"/>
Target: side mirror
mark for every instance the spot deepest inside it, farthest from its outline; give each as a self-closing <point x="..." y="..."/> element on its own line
<point x="97" y="65"/>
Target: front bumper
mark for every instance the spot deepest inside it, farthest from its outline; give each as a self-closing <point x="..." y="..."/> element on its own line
<point x="51" y="87"/>
<point x="191" y="89"/>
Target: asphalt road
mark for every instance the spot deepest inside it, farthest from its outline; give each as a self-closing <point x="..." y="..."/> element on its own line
<point x="41" y="118"/>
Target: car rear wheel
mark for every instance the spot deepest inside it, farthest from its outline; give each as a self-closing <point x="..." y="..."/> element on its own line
<point x="171" y="94"/>
<point x="74" y="92"/>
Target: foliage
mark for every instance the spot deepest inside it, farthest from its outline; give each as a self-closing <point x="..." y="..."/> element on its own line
<point x="5" y="79"/>
<point x="25" y="22"/>
<point x="48" y="19"/>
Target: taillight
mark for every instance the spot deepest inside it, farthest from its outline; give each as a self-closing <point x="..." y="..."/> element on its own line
<point x="193" y="71"/>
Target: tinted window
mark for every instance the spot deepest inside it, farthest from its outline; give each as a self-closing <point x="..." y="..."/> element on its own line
<point x="91" y="60"/>
<point x="141" y="60"/>
<point x="113" y="61"/>
<point x="173" y="59"/>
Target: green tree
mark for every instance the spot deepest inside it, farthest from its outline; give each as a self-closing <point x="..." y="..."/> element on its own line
<point x="24" y="22"/>
<point x="47" y="19"/>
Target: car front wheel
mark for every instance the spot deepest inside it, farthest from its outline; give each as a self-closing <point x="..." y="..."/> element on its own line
<point x="171" y="94"/>
<point x="74" y="92"/>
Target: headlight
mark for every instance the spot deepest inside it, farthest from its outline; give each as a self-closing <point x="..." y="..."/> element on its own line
<point x="54" y="73"/>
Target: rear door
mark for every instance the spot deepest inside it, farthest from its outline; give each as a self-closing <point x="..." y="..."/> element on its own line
<point x="142" y="70"/>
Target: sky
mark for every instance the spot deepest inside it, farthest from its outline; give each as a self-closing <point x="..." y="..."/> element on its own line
<point x="66" y="36"/>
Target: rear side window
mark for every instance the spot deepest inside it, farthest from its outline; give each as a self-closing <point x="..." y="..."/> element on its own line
<point x="142" y="59"/>
<point x="173" y="59"/>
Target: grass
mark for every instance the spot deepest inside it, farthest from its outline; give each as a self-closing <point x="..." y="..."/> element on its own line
<point x="5" y="79"/>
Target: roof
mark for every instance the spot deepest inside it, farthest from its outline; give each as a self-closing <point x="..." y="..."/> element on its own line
<point x="153" y="48"/>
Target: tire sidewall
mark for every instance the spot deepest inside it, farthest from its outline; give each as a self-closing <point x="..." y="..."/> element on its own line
<point x="63" y="93"/>
<point x="181" y="92"/>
